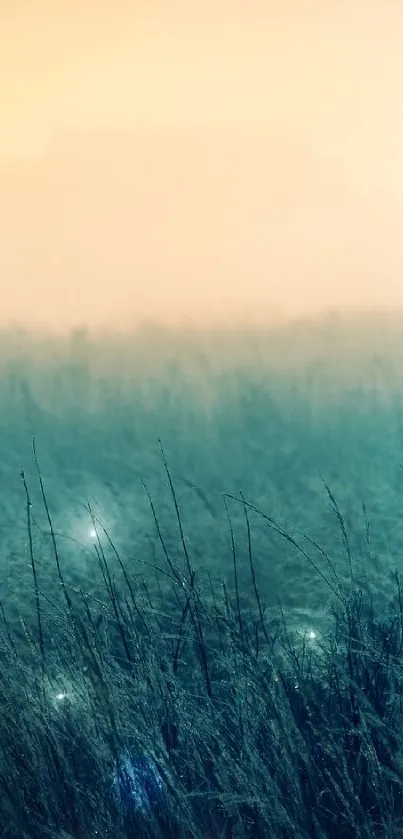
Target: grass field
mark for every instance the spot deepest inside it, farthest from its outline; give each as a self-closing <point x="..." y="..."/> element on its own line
<point x="201" y="612"/>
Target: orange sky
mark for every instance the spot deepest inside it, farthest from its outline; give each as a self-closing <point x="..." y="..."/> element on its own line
<point x="187" y="159"/>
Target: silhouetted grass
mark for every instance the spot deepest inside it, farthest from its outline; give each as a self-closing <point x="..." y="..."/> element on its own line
<point x="237" y="732"/>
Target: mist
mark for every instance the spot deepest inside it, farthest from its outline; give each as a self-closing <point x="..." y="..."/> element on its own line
<point x="198" y="164"/>
<point x="118" y="228"/>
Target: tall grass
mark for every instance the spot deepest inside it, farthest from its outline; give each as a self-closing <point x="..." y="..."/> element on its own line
<point x="235" y="730"/>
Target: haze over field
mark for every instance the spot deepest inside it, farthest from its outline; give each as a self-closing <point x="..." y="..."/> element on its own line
<point x="202" y="167"/>
<point x="198" y="162"/>
<point x="201" y="418"/>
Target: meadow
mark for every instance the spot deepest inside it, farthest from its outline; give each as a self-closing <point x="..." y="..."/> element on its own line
<point x="201" y="614"/>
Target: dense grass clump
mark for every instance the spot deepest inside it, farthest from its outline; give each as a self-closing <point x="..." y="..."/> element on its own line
<point x="171" y="707"/>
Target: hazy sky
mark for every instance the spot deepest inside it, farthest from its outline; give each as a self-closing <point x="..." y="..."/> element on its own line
<point x="180" y="158"/>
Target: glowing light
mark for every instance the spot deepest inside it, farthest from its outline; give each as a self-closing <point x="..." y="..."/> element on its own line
<point x="60" y="696"/>
<point x="308" y="635"/>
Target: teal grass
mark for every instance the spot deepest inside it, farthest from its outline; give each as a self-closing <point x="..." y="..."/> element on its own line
<point x="169" y="705"/>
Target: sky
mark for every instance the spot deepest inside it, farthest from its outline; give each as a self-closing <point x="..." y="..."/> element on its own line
<point x="180" y="160"/>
